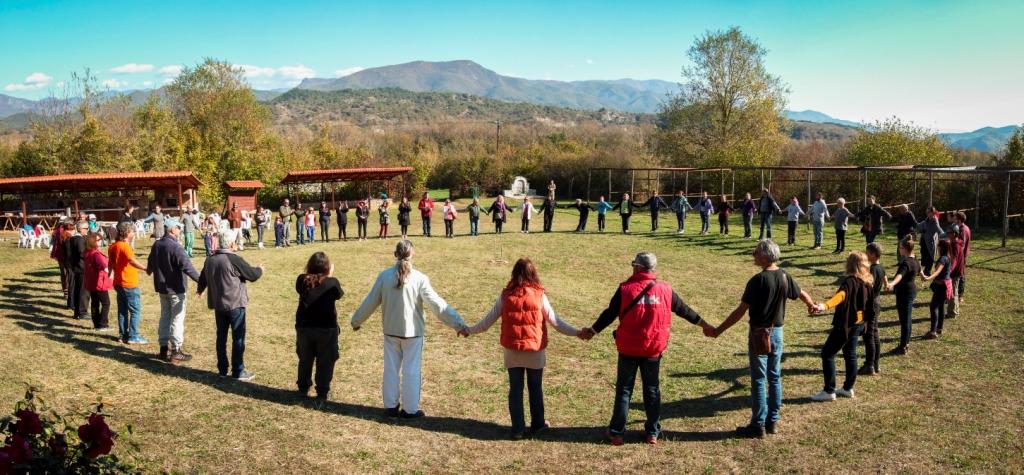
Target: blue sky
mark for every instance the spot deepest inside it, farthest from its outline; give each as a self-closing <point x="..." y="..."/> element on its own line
<point x="941" y="64"/>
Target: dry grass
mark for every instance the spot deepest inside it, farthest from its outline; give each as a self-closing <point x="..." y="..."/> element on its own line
<point x="951" y="406"/>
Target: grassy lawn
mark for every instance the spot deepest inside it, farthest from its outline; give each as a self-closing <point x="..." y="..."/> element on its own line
<point x="952" y="405"/>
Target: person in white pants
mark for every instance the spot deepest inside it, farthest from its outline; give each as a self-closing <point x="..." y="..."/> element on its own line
<point x="403" y="292"/>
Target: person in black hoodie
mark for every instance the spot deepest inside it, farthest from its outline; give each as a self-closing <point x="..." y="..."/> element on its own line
<point x="853" y="304"/>
<point x="78" y="298"/>
<point x="548" y="207"/>
<point x="316" y="324"/>
<point x="584" y="208"/>
<point x="343" y="210"/>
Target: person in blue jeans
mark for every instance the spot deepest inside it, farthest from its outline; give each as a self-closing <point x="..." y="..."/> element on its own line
<point x="764" y="299"/>
<point x="705" y="207"/>
<point x="224" y="274"/>
<point x="854" y="305"/>
<point x="767" y="208"/>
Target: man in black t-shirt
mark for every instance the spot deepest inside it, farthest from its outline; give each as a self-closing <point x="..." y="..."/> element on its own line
<point x="765" y="299"/>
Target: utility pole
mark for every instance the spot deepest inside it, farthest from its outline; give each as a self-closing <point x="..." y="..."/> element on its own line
<point x="497" y="137"/>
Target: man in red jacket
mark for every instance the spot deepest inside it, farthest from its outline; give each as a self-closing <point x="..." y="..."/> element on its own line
<point x="644" y="307"/>
<point x="426" y="210"/>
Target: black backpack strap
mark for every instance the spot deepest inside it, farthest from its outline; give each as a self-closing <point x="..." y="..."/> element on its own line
<point x="638" y="298"/>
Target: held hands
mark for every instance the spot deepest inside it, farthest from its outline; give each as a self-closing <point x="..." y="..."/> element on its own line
<point x="709" y="330"/>
<point x="463" y="333"/>
<point x="586" y="334"/>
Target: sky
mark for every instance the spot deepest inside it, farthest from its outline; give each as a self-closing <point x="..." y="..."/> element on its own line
<point x="946" y="65"/>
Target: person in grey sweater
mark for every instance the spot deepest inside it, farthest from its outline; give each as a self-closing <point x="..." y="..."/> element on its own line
<point x="841" y="219"/>
<point x="224" y="274"/>
<point x="818" y="215"/>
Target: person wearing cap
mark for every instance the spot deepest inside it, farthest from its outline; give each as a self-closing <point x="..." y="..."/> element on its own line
<point x="285" y="212"/>
<point x="224" y="274"/>
<point x="764" y="298"/>
<point x="93" y="225"/>
<point x="169" y="266"/>
<point x="74" y="248"/>
<point x="157" y="218"/>
<point x="644" y="306"/>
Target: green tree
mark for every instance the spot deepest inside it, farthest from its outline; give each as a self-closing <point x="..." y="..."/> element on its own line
<point x="225" y="131"/>
<point x="1013" y="156"/>
<point x="730" y="108"/>
<point x="158" y="144"/>
<point x="894" y="142"/>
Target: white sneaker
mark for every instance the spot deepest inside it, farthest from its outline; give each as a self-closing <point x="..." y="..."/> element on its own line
<point x="823" y="397"/>
<point x="844" y="393"/>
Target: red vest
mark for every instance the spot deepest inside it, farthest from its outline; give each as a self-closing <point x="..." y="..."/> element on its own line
<point x="643" y="331"/>
<point x="522" y="319"/>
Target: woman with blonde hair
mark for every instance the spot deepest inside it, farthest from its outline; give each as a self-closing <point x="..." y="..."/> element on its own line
<point x="403" y="293"/>
<point x="525" y="314"/>
<point x="853" y="304"/>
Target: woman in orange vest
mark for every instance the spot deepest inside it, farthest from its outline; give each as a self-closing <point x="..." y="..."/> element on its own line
<point x="525" y="313"/>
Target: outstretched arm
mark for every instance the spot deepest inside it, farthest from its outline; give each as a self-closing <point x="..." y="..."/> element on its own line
<point x="369" y="305"/>
<point x="446" y="313"/>
<point x="488" y="321"/>
<point x="731" y="320"/>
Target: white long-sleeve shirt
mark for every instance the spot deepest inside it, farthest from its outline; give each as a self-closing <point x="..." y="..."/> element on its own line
<point x="528" y="210"/>
<point x="403" y="307"/>
<point x="546" y="310"/>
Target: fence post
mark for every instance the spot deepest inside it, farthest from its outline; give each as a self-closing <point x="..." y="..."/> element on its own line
<point x="588" y="184"/>
<point x="686" y="186"/>
<point x="931" y="188"/>
<point x="1006" y="209"/>
<point x="609" y="184"/>
<point x="632" y="182"/>
<point x="864" y="188"/>
<point x="808" y="198"/>
<point x="977" y="199"/>
<point x="733" y="185"/>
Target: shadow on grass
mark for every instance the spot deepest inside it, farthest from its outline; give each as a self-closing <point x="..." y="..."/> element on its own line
<point x="26" y="314"/>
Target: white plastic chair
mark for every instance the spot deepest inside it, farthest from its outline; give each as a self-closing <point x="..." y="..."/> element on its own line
<point x="26" y="239"/>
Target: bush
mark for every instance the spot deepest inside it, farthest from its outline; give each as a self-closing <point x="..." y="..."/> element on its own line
<point x="40" y="440"/>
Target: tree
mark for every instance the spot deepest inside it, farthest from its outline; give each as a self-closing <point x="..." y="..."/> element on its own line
<point x="730" y="109"/>
<point x="158" y="144"/>
<point x="1013" y="156"/>
<point x="894" y="142"/>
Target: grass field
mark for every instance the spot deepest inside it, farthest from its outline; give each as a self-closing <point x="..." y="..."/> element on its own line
<point x="952" y="405"/>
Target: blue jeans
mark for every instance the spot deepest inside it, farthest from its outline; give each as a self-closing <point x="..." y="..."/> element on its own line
<point x="747" y="219"/>
<point x="310" y="230"/>
<point x="626" y="379"/>
<point x="300" y="232"/>
<point x="705" y="219"/>
<point x="838" y="339"/>
<point x="235" y="321"/>
<point x="766" y="223"/>
<point x="766" y="370"/>
<point x="819" y="232"/>
<point x="474" y="227"/>
<point x="129" y="313"/>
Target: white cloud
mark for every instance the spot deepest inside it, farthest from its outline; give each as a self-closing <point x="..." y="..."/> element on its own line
<point x="132" y="68"/>
<point x="347" y="71"/>
<point x="261" y="77"/>
<point x="170" y="70"/>
<point x="147" y="83"/>
<point x="114" y="84"/>
<point x="32" y="82"/>
<point x="590" y="61"/>
<point x="168" y="81"/>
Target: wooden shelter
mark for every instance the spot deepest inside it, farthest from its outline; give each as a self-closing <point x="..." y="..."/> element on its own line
<point x="55" y="194"/>
<point x="242" y="192"/>
<point x="332" y="178"/>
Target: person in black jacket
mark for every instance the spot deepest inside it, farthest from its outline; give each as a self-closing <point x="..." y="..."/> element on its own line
<point x="767" y="207"/>
<point x="316" y="325"/>
<point x="584" y="208"/>
<point x="325" y="221"/>
<point x="872" y="216"/>
<point x="625" y="208"/>
<point x="343" y="210"/>
<point x="548" y="207"/>
<point x="74" y="248"/>
<point x="656" y="204"/>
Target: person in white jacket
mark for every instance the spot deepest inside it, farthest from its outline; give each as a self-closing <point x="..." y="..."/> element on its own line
<point x="528" y="211"/>
<point x="402" y="293"/>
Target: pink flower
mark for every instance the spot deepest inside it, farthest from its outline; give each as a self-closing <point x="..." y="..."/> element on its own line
<point x="97" y="436"/>
<point x="28" y="422"/>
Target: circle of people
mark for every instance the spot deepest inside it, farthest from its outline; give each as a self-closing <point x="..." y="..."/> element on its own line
<point x="642" y="304"/>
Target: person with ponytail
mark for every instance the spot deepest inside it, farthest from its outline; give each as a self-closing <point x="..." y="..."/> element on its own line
<point x="525" y="314"/>
<point x="942" y="290"/>
<point x="403" y="293"/>
<point x="316" y="324"/>
<point x="853" y="304"/>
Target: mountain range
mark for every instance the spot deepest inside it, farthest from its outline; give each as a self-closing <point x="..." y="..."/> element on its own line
<point x="469" y="79"/>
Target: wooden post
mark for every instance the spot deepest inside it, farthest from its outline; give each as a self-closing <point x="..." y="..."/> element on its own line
<point x="762" y="179"/>
<point x="864" y="188"/>
<point x="632" y="182"/>
<point x="673" y="182"/>
<point x="686" y="187"/>
<point x="589" y="172"/>
<point x="180" y="202"/>
<point x="334" y="185"/>
<point x="721" y="184"/>
<point x="24" y="209"/>
<point x="931" y="187"/>
<point x="977" y="198"/>
<point x="913" y="176"/>
<point x="702" y="181"/>
<point x="769" y="181"/>
<point x="609" y="197"/>
<point x="808" y="197"/>
<point x="733" y="186"/>
<point x="1006" y="209"/>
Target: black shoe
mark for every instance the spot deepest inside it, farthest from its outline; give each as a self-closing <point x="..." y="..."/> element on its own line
<point x="165" y="353"/>
<point x="179" y="357"/>
<point x="406" y="415"/>
<point x="541" y="428"/>
<point x="901" y="350"/>
<point x="751" y="431"/>
<point x="393" y="411"/>
<point x="866" y="371"/>
<point x="771" y="427"/>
